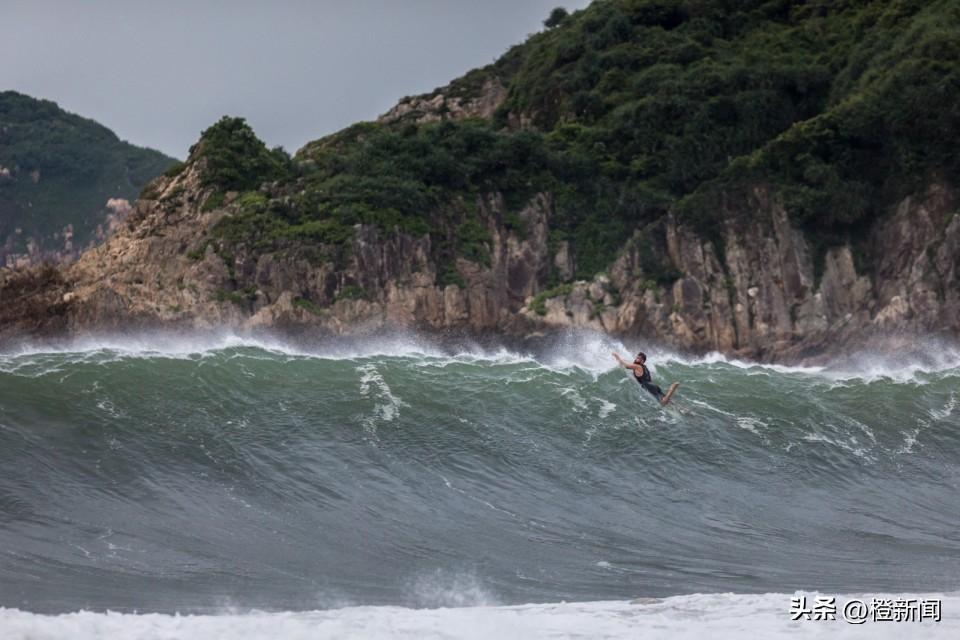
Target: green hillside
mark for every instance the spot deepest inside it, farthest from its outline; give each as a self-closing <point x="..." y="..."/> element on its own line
<point x="60" y="169"/>
<point x="630" y="109"/>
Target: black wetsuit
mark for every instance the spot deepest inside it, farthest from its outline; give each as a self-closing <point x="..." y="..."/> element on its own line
<point x="647" y="383"/>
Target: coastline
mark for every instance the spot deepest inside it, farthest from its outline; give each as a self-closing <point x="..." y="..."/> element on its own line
<point x="759" y="298"/>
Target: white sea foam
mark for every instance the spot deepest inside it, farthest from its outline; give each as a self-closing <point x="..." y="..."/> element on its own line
<point x="721" y="616"/>
<point x="849" y="444"/>
<point x="901" y="365"/>
<point x="386" y="404"/>
<point x="579" y="404"/>
<point x="606" y="408"/>
<point x="450" y="589"/>
<point x="948" y="408"/>
<point x="575" y="350"/>
<point x="750" y="424"/>
<point x="715" y="357"/>
<point x="909" y="440"/>
<point x="191" y="345"/>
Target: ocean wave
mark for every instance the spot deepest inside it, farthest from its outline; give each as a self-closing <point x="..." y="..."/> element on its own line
<point x="574" y="350"/>
<point x="456" y="474"/>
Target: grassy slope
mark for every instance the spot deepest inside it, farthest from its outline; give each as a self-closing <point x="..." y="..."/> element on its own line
<point x="81" y="165"/>
<point x="640" y="107"/>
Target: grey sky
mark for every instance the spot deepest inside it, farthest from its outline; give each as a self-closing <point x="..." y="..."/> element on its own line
<point x="158" y="73"/>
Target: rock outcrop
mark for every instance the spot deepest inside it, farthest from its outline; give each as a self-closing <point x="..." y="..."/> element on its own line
<point x="764" y="299"/>
<point x="762" y="295"/>
<point x="441" y="105"/>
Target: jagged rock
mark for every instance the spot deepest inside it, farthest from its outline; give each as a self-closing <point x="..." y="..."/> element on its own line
<point x="563" y="261"/>
<point x="762" y="300"/>
<point x="438" y="106"/>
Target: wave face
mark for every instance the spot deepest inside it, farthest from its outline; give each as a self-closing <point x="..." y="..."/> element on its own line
<point x="164" y="474"/>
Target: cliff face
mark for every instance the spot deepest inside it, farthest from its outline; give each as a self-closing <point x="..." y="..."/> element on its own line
<point x="765" y="299"/>
<point x="759" y="296"/>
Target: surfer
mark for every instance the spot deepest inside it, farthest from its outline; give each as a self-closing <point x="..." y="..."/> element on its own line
<point x="642" y="376"/>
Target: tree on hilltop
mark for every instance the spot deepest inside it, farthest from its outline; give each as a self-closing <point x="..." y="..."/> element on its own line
<point x="556" y="18"/>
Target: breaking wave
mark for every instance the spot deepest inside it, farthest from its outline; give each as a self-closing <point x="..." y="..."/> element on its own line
<point x="204" y="474"/>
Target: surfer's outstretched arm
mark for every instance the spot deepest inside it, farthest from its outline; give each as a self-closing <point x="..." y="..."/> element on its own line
<point x="624" y="363"/>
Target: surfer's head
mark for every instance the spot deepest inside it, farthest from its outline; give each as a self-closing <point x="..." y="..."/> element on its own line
<point x="641" y="357"/>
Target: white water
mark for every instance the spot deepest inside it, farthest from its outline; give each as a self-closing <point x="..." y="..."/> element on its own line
<point x="584" y="350"/>
<point x="714" y="616"/>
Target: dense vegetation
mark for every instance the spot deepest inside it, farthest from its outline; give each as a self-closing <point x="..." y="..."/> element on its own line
<point x="236" y="160"/>
<point x="60" y="169"/>
<point x="639" y="107"/>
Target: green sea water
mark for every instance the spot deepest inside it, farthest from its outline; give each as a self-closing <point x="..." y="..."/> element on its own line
<point x="166" y="474"/>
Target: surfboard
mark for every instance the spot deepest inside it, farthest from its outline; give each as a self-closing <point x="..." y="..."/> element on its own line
<point x="669" y="394"/>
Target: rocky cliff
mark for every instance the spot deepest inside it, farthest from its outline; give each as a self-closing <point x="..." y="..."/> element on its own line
<point x="757" y="295"/>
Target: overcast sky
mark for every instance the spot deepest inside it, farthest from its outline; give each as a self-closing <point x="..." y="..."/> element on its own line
<point x="158" y="73"/>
